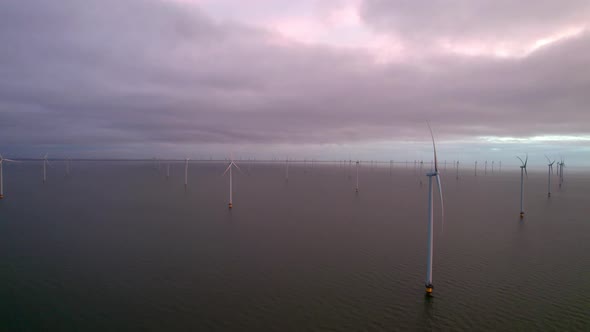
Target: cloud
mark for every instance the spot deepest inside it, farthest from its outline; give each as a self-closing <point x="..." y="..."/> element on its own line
<point x="497" y="27"/>
<point x="142" y="73"/>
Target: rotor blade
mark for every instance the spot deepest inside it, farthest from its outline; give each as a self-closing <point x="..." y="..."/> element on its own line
<point x="525" y="172"/>
<point x="548" y="160"/>
<point x="434" y="147"/>
<point x="526" y="160"/>
<point x="12" y="161"/>
<point x="520" y="160"/>
<point x="442" y="205"/>
<point x="227" y="169"/>
<point x="238" y="167"/>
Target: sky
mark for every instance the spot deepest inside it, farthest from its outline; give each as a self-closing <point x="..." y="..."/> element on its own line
<point x="331" y="79"/>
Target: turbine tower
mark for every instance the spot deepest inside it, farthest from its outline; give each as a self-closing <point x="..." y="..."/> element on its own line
<point x="522" y="173"/>
<point x="2" y="160"/>
<point x="430" y="252"/>
<point x="550" y="166"/>
<point x="186" y="172"/>
<point x="45" y="163"/>
<point x="357" y="176"/>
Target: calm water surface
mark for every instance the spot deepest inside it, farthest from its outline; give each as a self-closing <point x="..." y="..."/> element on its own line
<point x="117" y="246"/>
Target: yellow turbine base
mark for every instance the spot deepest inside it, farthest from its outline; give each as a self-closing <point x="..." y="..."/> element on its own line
<point x="429" y="290"/>
<point x="521" y="215"/>
<point x="230" y="205"/>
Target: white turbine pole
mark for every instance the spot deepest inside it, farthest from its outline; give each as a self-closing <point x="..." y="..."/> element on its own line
<point x="1" y="180"/>
<point x="522" y="172"/>
<point x="485" y="172"/>
<point x="492" y="167"/>
<point x="521" y="190"/>
<point x="457" y="169"/>
<point x="475" y="169"/>
<point x="230" y="185"/>
<point x="550" y="168"/>
<point x="430" y="236"/>
<point x="44" y="170"/>
<point x="185" y="172"/>
<point x="357" y="176"/>
<point x="2" y="160"/>
<point x="287" y="169"/>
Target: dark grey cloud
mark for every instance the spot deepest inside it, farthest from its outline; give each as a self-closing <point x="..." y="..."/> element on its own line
<point x="149" y="72"/>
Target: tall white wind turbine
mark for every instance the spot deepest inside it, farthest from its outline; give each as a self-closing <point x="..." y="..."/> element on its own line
<point x="229" y="168"/>
<point x="2" y="160"/>
<point x="430" y="251"/>
<point x="522" y="173"/>
<point x="550" y="166"/>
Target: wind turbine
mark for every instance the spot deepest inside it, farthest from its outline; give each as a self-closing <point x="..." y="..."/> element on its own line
<point x="2" y="160"/>
<point x="475" y="169"/>
<point x="485" y="172"/>
<point x="229" y="168"/>
<point x="430" y="252"/>
<point x="45" y="163"/>
<point x="522" y="173"/>
<point x="457" y="169"/>
<point x="287" y="169"/>
<point x="186" y="172"/>
<point x="550" y="166"/>
<point x="561" y="166"/>
<point x="357" y="176"/>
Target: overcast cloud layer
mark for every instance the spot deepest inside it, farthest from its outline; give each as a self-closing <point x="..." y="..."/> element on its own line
<point x="116" y="76"/>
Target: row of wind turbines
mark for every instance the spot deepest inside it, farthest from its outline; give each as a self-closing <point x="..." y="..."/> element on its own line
<point x="433" y="175"/>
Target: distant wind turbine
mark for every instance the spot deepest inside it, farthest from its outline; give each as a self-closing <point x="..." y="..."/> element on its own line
<point x="45" y="164"/>
<point x="430" y="252"/>
<point x="475" y="169"/>
<point x="560" y="175"/>
<point x="550" y="166"/>
<point x="186" y="172"/>
<point x="287" y="169"/>
<point x="229" y="168"/>
<point x="522" y="173"/>
<point x="2" y="160"/>
<point x="357" y="176"/>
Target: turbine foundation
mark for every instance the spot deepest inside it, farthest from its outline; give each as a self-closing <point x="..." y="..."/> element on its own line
<point x="229" y="205"/>
<point x="429" y="288"/>
<point x="1" y="196"/>
<point x="521" y="214"/>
